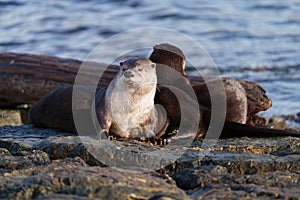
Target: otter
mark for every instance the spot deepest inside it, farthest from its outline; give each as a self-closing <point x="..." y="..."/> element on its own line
<point x="170" y="55"/>
<point x="236" y="123"/>
<point x="127" y="110"/>
<point x="124" y="109"/>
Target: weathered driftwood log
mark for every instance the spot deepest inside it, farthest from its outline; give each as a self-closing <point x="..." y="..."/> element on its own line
<point x="26" y="78"/>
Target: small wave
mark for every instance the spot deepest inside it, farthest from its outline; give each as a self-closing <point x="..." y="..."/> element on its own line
<point x="228" y="34"/>
<point x="165" y="15"/>
<point x="72" y="30"/>
<point x="269" y="7"/>
<point x="108" y="32"/>
<point x="11" y="3"/>
<point x="11" y="43"/>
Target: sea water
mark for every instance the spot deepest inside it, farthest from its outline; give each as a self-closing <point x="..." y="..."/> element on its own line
<point x="251" y="40"/>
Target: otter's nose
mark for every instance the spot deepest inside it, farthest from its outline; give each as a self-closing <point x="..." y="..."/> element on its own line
<point x="128" y="74"/>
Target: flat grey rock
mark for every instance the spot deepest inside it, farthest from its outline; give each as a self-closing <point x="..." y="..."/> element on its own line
<point x="50" y="164"/>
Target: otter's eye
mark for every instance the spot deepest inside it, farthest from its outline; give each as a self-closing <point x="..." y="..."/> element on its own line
<point x="140" y="69"/>
<point x="121" y="63"/>
<point x="153" y="65"/>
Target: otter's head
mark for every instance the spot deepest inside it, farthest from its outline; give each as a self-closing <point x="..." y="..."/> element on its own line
<point x="170" y="55"/>
<point x="139" y="71"/>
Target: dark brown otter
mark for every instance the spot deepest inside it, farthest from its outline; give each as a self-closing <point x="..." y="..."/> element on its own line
<point x="169" y="55"/>
<point x="236" y="115"/>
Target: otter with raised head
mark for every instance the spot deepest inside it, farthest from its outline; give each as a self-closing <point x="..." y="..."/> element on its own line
<point x="128" y="110"/>
<point x="125" y="109"/>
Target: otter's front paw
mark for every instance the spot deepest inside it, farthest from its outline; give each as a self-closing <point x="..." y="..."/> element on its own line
<point x="105" y="135"/>
<point x="156" y="141"/>
<point x="111" y="137"/>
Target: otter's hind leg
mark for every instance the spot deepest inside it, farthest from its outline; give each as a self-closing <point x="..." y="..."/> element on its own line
<point x="236" y="101"/>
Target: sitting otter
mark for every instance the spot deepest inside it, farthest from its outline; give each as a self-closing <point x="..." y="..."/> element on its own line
<point x="125" y="109"/>
<point x="128" y="110"/>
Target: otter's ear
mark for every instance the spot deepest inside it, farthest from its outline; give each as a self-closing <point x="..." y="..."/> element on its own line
<point x="121" y="63"/>
<point x="153" y="65"/>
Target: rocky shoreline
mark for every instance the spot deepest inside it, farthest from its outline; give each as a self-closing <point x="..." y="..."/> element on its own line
<point x="50" y="164"/>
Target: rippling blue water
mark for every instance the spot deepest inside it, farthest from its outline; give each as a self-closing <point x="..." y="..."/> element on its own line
<point x="253" y="40"/>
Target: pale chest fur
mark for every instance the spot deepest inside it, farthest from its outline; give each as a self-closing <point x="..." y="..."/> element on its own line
<point x="130" y="107"/>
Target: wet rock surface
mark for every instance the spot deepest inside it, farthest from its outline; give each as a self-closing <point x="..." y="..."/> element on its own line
<point x="50" y="164"/>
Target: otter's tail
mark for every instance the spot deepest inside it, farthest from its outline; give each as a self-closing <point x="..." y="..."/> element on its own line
<point x="233" y="129"/>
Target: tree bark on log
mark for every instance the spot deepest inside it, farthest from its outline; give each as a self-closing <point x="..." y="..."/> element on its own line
<point x="26" y="78"/>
